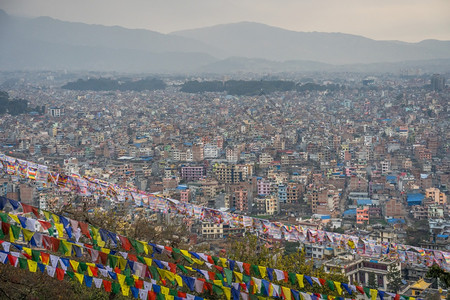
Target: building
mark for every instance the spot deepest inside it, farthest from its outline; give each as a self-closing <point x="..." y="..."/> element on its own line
<point x="357" y="269"/>
<point x="192" y="173"/>
<point x="436" y="195"/>
<point x="362" y="215"/>
<point x="229" y="173"/>
<point x="437" y="82"/>
<point x="212" y="231"/>
<point x="394" y="209"/>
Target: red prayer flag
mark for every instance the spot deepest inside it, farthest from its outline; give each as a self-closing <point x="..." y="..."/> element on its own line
<point x="246" y="268"/>
<point x="85" y="229"/>
<point x="45" y="257"/>
<point x="107" y="285"/>
<point x="219" y="268"/>
<point x="55" y="244"/>
<point x="103" y="257"/>
<point x="151" y="295"/>
<point x="94" y="271"/>
<point x="360" y="289"/>
<point x="117" y="270"/>
<point x="210" y="260"/>
<point x="397" y="297"/>
<point x="132" y="257"/>
<point x="286" y="276"/>
<point x="12" y="259"/>
<point x="139" y="284"/>
<point x="212" y="275"/>
<point x="181" y="294"/>
<point x="322" y="281"/>
<point x="28" y="208"/>
<point x="45" y="224"/>
<point x="60" y="273"/>
<point x="5" y="227"/>
<point x="173" y="267"/>
<point x="125" y="243"/>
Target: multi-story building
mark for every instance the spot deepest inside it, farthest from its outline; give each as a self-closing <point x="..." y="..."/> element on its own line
<point x="362" y="215"/>
<point x="358" y="269"/>
<point x="436" y="195"/>
<point x="212" y="231"/>
<point x="192" y="173"/>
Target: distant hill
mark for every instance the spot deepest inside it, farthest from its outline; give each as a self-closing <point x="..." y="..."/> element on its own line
<point x="47" y="44"/>
<point x="107" y="84"/>
<point x="254" y="40"/>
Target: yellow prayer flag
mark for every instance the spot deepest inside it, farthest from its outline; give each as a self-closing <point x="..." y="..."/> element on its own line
<point x="373" y="294"/>
<point x="223" y="261"/>
<point x="189" y="268"/>
<point x="164" y="290"/>
<point x="74" y="264"/>
<point x="185" y="253"/>
<point x="27" y="250"/>
<point x="122" y="263"/>
<point x="90" y="272"/>
<point x="262" y="271"/>
<point x="169" y="275"/>
<point x="148" y="261"/>
<point x="179" y="280"/>
<point x="11" y="236"/>
<point x="55" y="218"/>
<point x="80" y="277"/>
<point x="68" y="246"/>
<point x="60" y="229"/>
<point x="125" y="289"/>
<point x="145" y="248"/>
<point x="15" y="218"/>
<point x="287" y="293"/>
<point x="300" y="280"/>
<point x="338" y="287"/>
<point x="197" y="261"/>
<point x="238" y="276"/>
<point x="169" y="297"/>
<point x="106" y="250"/>
<point x="121" y="278"/>
<point x="27" y="235"/>
<point x="94" y="232"/>
<point x="47" y="215"/>
<point x="32" y="265"/>
<point x="218" y="282"/>
<point x="227" y="292"/>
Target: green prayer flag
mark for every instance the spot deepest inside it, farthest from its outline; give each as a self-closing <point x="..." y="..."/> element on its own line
<point x="50" y="231"/>
<point x="331" y="285"/>
<point x="15" y="230"/>
<point x="160" y="297"/>
<point x="129" y="281"/>
<point x="4" y="217"/>
<point x="215" y="259"/>
<point x="292" y="277"/>
<point x="246" y="279"/>
<point x="112" y="260"/>
<point x="115" y="288"/>
<point x="154" y="272"/>
<point x="82" y="267"/>
<point x="23" y="264"/>
<point x="70" y="273"/>
<point x="228" y="275"/>
<point x="182" y="268"/>
<point x="137" y="245"/>
<point x="141" y="259"/>
<point x="127" y="272"/>
<point x="35" y="255"/>
<point x="367" y="291"/>
<point x="62" y="248"/>
<point x="255" y="270"/>
<point x="217" y="289"/>
<point x="173" y="293"/>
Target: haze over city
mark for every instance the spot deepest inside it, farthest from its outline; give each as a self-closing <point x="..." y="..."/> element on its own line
<point x="403" y="20"/>
<point x="212" y="149"/>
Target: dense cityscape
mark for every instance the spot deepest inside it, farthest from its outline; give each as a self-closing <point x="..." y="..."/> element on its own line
<point x="369" y="159"/>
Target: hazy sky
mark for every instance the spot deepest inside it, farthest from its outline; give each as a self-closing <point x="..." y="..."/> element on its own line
<point x="406" y="20"/>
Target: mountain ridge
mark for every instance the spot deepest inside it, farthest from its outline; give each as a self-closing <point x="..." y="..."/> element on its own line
<point x="47" y="43"/>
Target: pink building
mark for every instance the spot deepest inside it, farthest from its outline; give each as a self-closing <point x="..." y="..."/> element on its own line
<point x="263" y="187"/>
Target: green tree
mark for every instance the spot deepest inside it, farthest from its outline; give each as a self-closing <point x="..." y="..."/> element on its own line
<point x="438" y="273"/>
<point x="394" y="277"/>
<point x="372" y="281"/>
